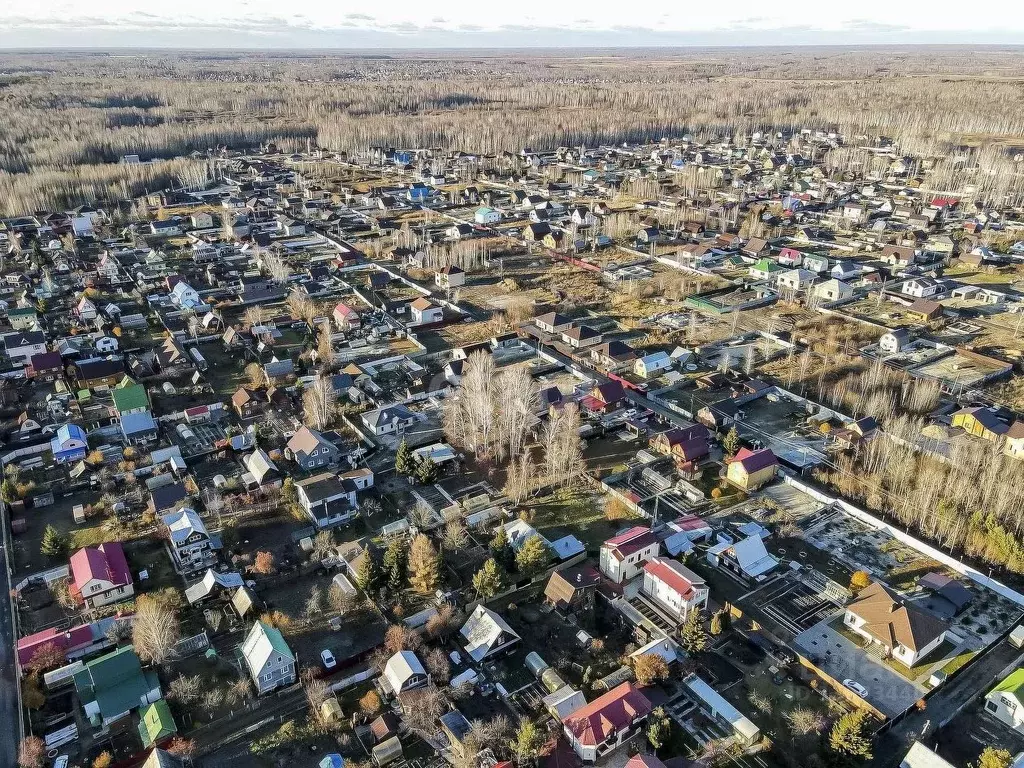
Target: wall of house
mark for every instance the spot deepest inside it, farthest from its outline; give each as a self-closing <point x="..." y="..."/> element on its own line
<point x="1006" y="709"/>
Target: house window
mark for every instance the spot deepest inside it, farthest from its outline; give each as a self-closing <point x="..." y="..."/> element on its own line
<point x="1009" y="703"/>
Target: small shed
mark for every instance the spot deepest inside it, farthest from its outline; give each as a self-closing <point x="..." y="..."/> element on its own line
<point x="387" y="751"/>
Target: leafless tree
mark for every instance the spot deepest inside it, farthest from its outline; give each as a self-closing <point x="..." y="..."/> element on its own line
<point x="319" y="404"/>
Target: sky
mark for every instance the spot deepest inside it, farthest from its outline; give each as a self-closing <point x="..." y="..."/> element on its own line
<point x="348" y="24"/>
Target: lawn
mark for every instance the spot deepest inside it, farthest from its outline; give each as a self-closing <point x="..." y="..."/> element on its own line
<point x="958" y="661"/>
<point x="577" y="512"/>
<point x="923" y="667"/>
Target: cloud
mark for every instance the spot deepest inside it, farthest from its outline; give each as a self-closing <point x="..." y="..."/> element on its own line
<point x="869" y="25"/>
<point x="360" y="16"/>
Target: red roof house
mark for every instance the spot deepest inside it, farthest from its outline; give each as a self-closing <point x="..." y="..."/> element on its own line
<point x="69" y="640"/>
<point x="623" y="556"/>
<point x="606" y="722"/>
<point x="100" y="575"/>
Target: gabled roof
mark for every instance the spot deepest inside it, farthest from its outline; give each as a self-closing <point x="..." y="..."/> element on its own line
<point x="674" y="575"/>
<point x="130" y="398"/>
<point x="401" y="667"/>
<point x="263" y="642"/>
<point x="482" y="630"/>
<point x="114" y="681"/>
<point x="628" y="542"/>
<point x="611" y="713"/>
<point x="156" y="723"/>
<point x="1012" y="684"/>
<point x="753" y="461"/>
<point x="106" y="562"/>
<point x="183" y="524"/>
<point x="306" y="440"/>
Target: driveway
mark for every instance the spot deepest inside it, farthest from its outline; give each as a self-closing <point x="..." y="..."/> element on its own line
<point x="888" y="691"/>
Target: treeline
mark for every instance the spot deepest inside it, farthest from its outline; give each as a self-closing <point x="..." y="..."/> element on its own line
<point x="76" y="110"/>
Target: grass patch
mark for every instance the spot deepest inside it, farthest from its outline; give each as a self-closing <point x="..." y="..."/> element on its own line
<point x="89" y="537"/>
<point x="923" y="667"/>
<point x="958" y="661"/>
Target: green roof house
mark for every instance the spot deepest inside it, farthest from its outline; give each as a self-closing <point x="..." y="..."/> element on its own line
<point x="130" y="399"/>
<point x="113" y="685"/>
<point x="765" y="268"/>
<point x="1006" y="701"/>
<point x="156" y="723"/>
<point x="270" y="661"/>
<point x="160" y="758"/>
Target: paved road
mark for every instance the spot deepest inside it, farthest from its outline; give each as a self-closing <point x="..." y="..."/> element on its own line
<point x="10" y="714"/>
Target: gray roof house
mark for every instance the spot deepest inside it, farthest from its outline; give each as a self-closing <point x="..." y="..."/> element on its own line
<point x="192" y="547"/>
<point x="388" y="420"/>
<point x="486" y="634"/>
<point x="311" y="450"/>
<point x="268" y="658"/>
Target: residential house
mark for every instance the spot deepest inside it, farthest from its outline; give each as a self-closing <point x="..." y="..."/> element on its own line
<point x="139" y="428"/>
<point x="249" y="403"/>
<point x="486" y="635"/>
<point x="674" y="588"/>
<point x="112" y="686"/>
<point x="749" y="470"/>
<point x="581" y="336"/>
<point x="48" y="366"/>
<point x="311" y="450"/>
<point x="327" y="499"/>
<point x="345" y="317"/>
<point x="902" y="630"/>
<point x="69" y="444"/>
<point x="919" y="756"/>
<point x="485" y="215"/>
<point x="607" y="722"/>
<point x="213" y="584"/>
<point x="924" y="310"/>
<point x="814" y="263"/>
<point x="980" y="421"/>
<point x="403" y="672"/>
<point x="261" y="471"/>
<point x="424" y="312"/>
<point x="100" y="575"/>
<point x="184" y="296"/>
<point x="623" y="556"/>
<point x="389" y="420"/>
<point x="653" y="364"/>
<point x="921" y="287"/>
<point x="795" y="280"/>
<point x="603" y="398"/>
<point x="130" y="398"/>
<point x="613" y="355"/>
<point x="156" y="724"/>
<point x="894" y="341"/>
<point x="553" y="322"/>
<point x="1013" y="444"/>
<point x="268" y="658"/>
<point x="23" y="318"/>
<point x="450" y="277"/>
<point x="765" y="269"/>
<point x="747" y="558"/>
<point x="192" y="547"/>
<point x="98" y="372"/>
<point x="665" y="442"/>
<point x="22" y="345"/>
<point x="571" y="590"/>
<point x="832" y="290"/>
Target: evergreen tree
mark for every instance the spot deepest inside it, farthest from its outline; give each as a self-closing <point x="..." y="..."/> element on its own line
<point x="396" y="562"/>
<point x="424" y="565"/>
<point x="692" y="634"/>
<point x="488" y="580"/>
<point x="55" y="543"/>
<point x="731" y="442"/>
<point x="532" y="556"/>
<point x="659" y="728"/>
<point x="501" y="549"/>
<point x="405" y="462"/>
<point x="369" y="576"/>
<point x="427" y="472"/>
<point x="848" y="736"/>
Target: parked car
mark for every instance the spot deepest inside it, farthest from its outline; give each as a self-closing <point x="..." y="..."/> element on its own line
<point x="856" y="687"/>
<point x="328" y="659"/>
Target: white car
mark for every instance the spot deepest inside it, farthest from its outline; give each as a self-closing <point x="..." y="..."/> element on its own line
<point x="856" y="687"/>
<point x="328" y="659"/>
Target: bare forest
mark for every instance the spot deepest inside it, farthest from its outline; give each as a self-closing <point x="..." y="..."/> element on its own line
<point x="69" y="118"/>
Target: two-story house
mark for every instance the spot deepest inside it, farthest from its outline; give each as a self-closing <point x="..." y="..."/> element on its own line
<point x="269" y="660"/>
<point x="192" y="548"/>
<point x="674" y="588"/>
<point x="311" y="450"/>
<point x="424" y="312"/>
<point x="607" y="722"/>
<point x="622" y="557"/>
<point x="100" y="575"/>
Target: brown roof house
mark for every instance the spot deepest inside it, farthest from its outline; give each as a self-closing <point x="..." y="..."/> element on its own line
<point x="571" y="590"/>
<point x="904" y="631"/>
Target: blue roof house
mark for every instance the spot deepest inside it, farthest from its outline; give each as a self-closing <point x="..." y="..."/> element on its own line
<point x="138" y="428"/>
<point x="69" y="444"/>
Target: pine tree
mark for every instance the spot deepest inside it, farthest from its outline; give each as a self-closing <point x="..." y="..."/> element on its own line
<point x="532" y="556"/>
<point x="369" y="576"/>
<point x="731" y="442"/>
<point x="488" y="580"/>
<point x="501" y="549"/>
<point x="847" y="736"/>
<point x="405" y="463"/>
<point x="424" y="565"/>
<point x="692" y="634"/>
<point x="396" y="562"/>
<point x="55" y="543"/>
<point x="427" y="472"/>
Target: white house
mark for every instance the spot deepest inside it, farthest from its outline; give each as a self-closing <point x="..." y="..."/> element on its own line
<point x="450" y="277"/>
<point x="901" y="629"/>
<point x="486" y="634"/>
<point x="485" y="215"/>
<point x="795" y="280"/>
<point x="191" y="546"/>
<point x="921" y="287"/>
<point x="553" y="322"/>
<point x="388" y="420"/>
<point x="623" y="556"/>
<point x="1005" y="702"/>
<point x="22" y="345"/>
<point x="268" y="658"/>
<point x="185" y="296"/>
<point x="894" y="341"/>
<point x="424" y="311"/>
<point x="403" y="672"/>
<point x="673" y="587"/>
<point x="832" y="290"/>
<point x="919" y="756"/>
<point x="747" y="558"/>
<point x="100" y="575"/>
<point x="651" y="365"/>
